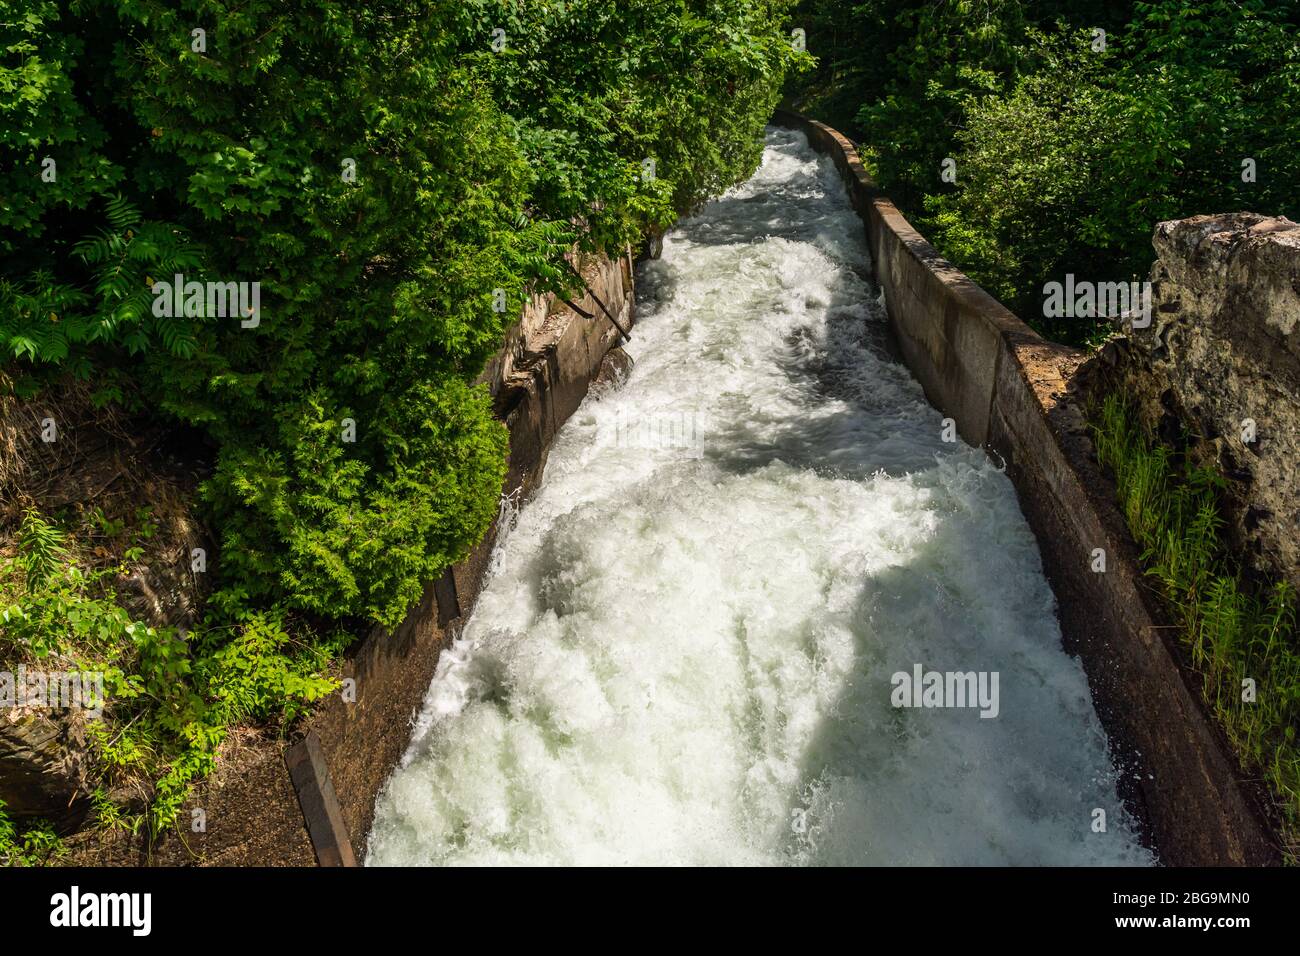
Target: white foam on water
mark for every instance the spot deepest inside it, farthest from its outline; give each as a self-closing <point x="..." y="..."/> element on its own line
<point x="683" y="655"/>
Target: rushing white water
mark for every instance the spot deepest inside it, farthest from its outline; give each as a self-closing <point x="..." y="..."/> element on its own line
<point x="684" y="654"/>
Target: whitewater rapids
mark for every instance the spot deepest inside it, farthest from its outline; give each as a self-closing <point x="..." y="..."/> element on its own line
<point x="684" y="652"/>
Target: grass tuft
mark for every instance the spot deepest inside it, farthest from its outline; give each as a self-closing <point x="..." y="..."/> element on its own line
<point x="1235" y="632"/>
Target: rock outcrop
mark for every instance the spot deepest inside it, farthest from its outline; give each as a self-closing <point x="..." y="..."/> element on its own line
<point x="43" y="765"/>
<point x="1218" y="370"/>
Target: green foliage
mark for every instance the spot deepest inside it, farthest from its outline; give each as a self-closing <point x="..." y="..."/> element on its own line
<point x="598" y="87"/>
<point x="35" y="844"/>
<point x="1232" y="630"/>
<point x="47" y="599"/>
<point x="171" y="697"/>
<point x="202" y="687"/>
<point x="43" y="116"/>
<point x="476" y="170"/>
<point x="109" y="815"/>
<point x="42" y="320"/>
<point x="1066" y="156"/>
<point x="1025" y="208"/>
<point x="315" y="525"/>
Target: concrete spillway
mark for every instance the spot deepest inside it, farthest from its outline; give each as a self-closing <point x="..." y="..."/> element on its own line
<point x="686" y="652"/>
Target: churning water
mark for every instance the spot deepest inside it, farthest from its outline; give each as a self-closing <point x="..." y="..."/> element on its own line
<point x="684" y="655"/>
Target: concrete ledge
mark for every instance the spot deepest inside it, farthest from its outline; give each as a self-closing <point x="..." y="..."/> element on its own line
<point x="1009" y="390"/>
<point x="310" y="776"/>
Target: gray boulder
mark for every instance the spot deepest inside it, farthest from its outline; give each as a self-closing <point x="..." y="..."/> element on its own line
<point x="1221" y="360"/>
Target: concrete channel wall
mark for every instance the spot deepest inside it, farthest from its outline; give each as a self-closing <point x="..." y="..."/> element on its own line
<point x="1009" y="390"/>
<point x="310" y="800"/>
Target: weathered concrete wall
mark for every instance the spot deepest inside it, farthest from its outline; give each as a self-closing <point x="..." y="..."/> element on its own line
<point x="253" y="813"/>
<point x="1010" y="390"/>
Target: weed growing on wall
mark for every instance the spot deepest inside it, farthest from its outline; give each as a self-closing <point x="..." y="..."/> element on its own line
<point x="35" y="844"/>
<point x="1240" y="639"/>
